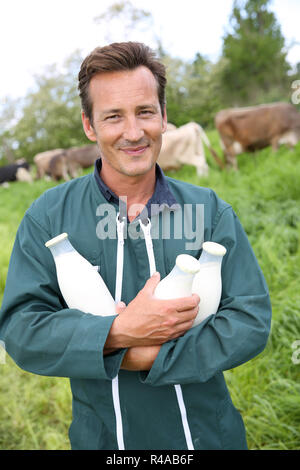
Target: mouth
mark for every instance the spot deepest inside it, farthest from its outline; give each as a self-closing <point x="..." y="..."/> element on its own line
<point x="134" y="150"/>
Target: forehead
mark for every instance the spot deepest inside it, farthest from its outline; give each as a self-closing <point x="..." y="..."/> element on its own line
<point x="117" y="89"/>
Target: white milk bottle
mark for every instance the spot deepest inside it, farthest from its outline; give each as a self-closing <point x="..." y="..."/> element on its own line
<point x="178" y="283"/>
<point x="207" y="282"/>
<point x="81" y="285"/>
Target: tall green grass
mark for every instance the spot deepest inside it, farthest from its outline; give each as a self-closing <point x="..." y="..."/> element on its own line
<point x="35" y="411"/>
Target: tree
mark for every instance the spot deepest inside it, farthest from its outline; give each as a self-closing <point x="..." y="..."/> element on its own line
<point x="122" y="21"/>
<point x="254" y="51"/>
<point x="8" y="117"/>
<point x="50" y="116"/>
<point x="204" y="91"/>
<point x="176" y="91"/>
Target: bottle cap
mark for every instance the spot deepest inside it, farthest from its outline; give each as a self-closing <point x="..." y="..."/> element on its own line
<point x="55" y="240"/>
<point x="214" y="248"/>
<point x="187" y="263"/>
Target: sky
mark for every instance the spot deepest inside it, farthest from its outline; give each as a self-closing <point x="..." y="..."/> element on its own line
<point x="37" y="33"/>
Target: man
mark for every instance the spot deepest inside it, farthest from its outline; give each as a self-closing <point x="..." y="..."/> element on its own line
<point x="143" y="378"/>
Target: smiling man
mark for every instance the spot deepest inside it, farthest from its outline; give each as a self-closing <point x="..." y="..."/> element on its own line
<point x="127" y="122"/>
<point x="142" y="378"/>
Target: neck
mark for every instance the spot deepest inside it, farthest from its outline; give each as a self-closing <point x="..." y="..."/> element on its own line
<point x="136" y="189"/>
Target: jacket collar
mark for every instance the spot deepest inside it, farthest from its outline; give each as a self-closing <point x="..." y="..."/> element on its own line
<point x="161" y="198"/>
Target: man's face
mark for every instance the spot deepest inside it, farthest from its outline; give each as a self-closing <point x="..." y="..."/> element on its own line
<point x="127" y="120"/>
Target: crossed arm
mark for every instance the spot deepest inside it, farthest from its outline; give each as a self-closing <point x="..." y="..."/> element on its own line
<point x="146" y="323"/>
<point x="45" y="339"/>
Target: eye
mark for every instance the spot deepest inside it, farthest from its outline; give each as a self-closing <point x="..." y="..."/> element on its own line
<point x="112" y="117"/>
<point x="146" y="112"/>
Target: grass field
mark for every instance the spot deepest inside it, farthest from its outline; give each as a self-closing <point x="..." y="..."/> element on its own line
<point x="35" y="411"/>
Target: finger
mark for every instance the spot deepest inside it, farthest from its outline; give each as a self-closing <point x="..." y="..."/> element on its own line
<point x="152" y="282"/>
<point x="186" y="316"/>
<point x="179" y="320"/>
<point x="120" y="307"/>
<point x="186" y="303"/>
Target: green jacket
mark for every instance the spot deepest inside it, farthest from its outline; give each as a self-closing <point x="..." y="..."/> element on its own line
<point x="183" y="401"/>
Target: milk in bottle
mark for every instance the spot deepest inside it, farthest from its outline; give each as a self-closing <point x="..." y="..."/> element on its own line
<point x="178" y="283"/>
<point x="81" y="285"/>
<point x="207" y="283"/>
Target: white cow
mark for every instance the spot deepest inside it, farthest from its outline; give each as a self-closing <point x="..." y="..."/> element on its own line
<point x="24" y="175"/>
<point x="184" y="145"/>
<point x="170" y="126"/>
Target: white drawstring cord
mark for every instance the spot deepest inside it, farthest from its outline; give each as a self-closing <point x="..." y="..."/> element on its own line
<point x="149" y="246"/>
<point x="120" y="258"/>
<point x="118" y="292"/>
<point x="184" y="420"/>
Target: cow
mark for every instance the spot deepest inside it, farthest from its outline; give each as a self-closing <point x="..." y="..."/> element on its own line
<point x="170" y="126"/>
<point x="42" y="161"/>
<point x="60" y="167"/>
<point x="66" y="165"/>
<point x="85" y="155"/>
<point x="18" y="171"/>
<point x="184" y="145"/>
<point x="255" y="127"/>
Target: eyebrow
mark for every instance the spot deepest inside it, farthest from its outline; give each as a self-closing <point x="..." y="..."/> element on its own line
<point x="110" y="111"/>
<point x="119" y="110"/>
<point x="143" y="106"/>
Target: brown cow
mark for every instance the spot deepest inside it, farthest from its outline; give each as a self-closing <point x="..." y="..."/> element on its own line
<point x="256" y="127"/>
<point x="61" y="168"/>
<point x="66" y="165"/>
<point x="42" y="161"/>
<point x="84" y="156"/>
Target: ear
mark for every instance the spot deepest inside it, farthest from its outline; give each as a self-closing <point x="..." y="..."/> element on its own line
<point x="88" y="128"/>
<point x="164" y="120"/>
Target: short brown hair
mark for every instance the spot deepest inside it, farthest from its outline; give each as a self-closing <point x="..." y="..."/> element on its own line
<point x="116" y="57"/>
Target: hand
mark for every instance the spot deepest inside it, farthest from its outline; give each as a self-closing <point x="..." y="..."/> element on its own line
<point x="148" y="321"/>
<point x="140" y="358"/>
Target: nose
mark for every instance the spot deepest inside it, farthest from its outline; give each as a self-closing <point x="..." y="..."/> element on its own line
<point x="132" y="129"/>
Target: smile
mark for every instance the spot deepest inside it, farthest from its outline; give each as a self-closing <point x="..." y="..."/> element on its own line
<point x="134" y="150"/>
